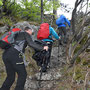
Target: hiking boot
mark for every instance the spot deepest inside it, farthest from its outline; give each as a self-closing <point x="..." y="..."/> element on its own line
<point x="60" y="42"/>
<point x="48" y="66"/>
<point x="65" y="42"/>
<point x="44" y="69"/>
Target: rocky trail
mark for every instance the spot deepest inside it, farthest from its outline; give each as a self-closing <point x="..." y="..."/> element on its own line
<point x="49" y="79"/>
<point x="53" y="76"/>
<point x="58" y="76"/>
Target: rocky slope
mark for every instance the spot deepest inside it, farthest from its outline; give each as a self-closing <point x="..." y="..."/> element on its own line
<point x="58" y="76"/>
<point x="52" y="77"/>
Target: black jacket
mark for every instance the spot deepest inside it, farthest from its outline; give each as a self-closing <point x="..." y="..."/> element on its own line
<point x="23" y="39"/>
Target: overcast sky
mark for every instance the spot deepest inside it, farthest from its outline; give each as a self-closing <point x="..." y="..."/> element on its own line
<point x="71" y="5"/>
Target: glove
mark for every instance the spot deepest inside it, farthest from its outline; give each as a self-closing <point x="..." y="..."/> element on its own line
<point x="59" y="37"/>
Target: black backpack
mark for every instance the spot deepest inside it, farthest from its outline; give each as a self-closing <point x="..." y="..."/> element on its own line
<point x="39" y="56"/>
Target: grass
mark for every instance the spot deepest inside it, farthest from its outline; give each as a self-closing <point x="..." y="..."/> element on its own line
<point x="2" y="69"/>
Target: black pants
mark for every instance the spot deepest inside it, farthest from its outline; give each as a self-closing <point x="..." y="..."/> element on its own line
<point x="14" y="64"/>
<point x="47" y="59"/>
<point x="50" y="49"/>
<point x="63" y="33"/>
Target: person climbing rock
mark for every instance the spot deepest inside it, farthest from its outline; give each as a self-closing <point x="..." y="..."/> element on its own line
<point x="13" y="59"/>
<point x="61" y="23"/>
<point x="45" y="33"/>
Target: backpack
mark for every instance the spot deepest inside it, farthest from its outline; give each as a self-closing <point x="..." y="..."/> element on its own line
<point x="39" y="55"/>
<point x="43" y="32"/>
<point x="60" y="20"/>
<point x="7" y="39"/>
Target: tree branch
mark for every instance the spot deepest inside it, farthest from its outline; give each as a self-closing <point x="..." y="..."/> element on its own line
<point x="80" y="51"/>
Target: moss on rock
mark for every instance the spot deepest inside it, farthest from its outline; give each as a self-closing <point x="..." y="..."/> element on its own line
<point x="77" y="48"/>
<point x="78" y="60"/>
<point x="85" y="62"/>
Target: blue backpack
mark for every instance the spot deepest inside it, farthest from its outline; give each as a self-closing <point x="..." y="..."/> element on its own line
<point x="59" y="21"/>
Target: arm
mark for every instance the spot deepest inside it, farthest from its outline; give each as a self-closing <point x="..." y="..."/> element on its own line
<point x="53" y="32"/>
<point x="31" y="43"/>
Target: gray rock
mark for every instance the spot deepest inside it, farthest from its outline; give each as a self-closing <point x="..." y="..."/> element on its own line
<point x="24" y="24"/>
<point x="4" y="29"/>
<point x="21" y="25"/>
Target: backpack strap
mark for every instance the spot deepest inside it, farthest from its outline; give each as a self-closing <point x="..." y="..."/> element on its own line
<point x="50" y="36"/>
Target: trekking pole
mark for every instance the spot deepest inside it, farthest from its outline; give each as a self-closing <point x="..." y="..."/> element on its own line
<point x="39" y="83"/>
<point x="58" y="49"/>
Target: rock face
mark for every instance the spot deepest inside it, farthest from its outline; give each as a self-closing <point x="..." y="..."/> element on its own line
<point x="50" y="78"/>
<point x="4" y="29"/>
<point x="24" y="24"/>
<point x="21" y="25"/>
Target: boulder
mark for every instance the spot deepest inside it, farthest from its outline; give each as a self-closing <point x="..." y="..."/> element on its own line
<point x="24" y="24"/>
<point x="4" y="29"/>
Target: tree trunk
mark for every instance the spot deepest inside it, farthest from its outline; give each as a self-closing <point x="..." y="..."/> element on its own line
<point x="74" y="15"/>
<point x="41" y="11"/>
<point x="4" y="6"/>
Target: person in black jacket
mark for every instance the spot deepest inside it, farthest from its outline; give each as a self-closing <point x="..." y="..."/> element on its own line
<point x="13" y="60"/>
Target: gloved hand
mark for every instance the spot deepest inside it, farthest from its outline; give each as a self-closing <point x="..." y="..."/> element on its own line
<point x="45" y="48"/>
<point x="59" y="37"/>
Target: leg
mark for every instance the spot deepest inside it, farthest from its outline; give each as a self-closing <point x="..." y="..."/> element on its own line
<point x="65" y="33"/>
<point x="60" y="31"/>
<point x="19" y="67"/>
<point x="61" y="35"/>
<point x="22" y="74"/>
<point x="10" y="75"/>
<point x="46" y="59"/>
<point x="50" y="49"/>
<point x="47" y="63"/>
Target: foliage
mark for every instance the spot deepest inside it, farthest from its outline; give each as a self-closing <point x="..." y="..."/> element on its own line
<point x="31" y="10"/>
<point x="7" y="20"/>
<point x="13" y="7"/>
<point x="85" y="62"/>
<point x="78" y="60"/>
<point x="83" y="41"/>
<point x="28" y="9"/>
<point x="50" y="5"/>
<point x="1" y="3"/>
<point x="77" y="48"/>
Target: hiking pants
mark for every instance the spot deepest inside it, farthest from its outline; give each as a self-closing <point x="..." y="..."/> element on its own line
<point x="50" y="49"/>
<point x="62" y="31"/>
<point x="14" y="64"/>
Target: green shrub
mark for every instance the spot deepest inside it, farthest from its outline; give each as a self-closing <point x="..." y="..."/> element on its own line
<point x="6" y="20"/>
<point x="77" y="48"/>
<point x="85" y="62"/>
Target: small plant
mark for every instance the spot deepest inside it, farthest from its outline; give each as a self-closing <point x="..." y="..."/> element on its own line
<point x="77" y="48"/>
<point x="85" y="62"/>
<point x="7" y="21"/>
<point x="78" y="60"/>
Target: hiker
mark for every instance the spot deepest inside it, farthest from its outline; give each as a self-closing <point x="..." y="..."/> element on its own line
<point x="61" y="23"/>
<point x="13" y="60"/>
<point x="47" y="37"/>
